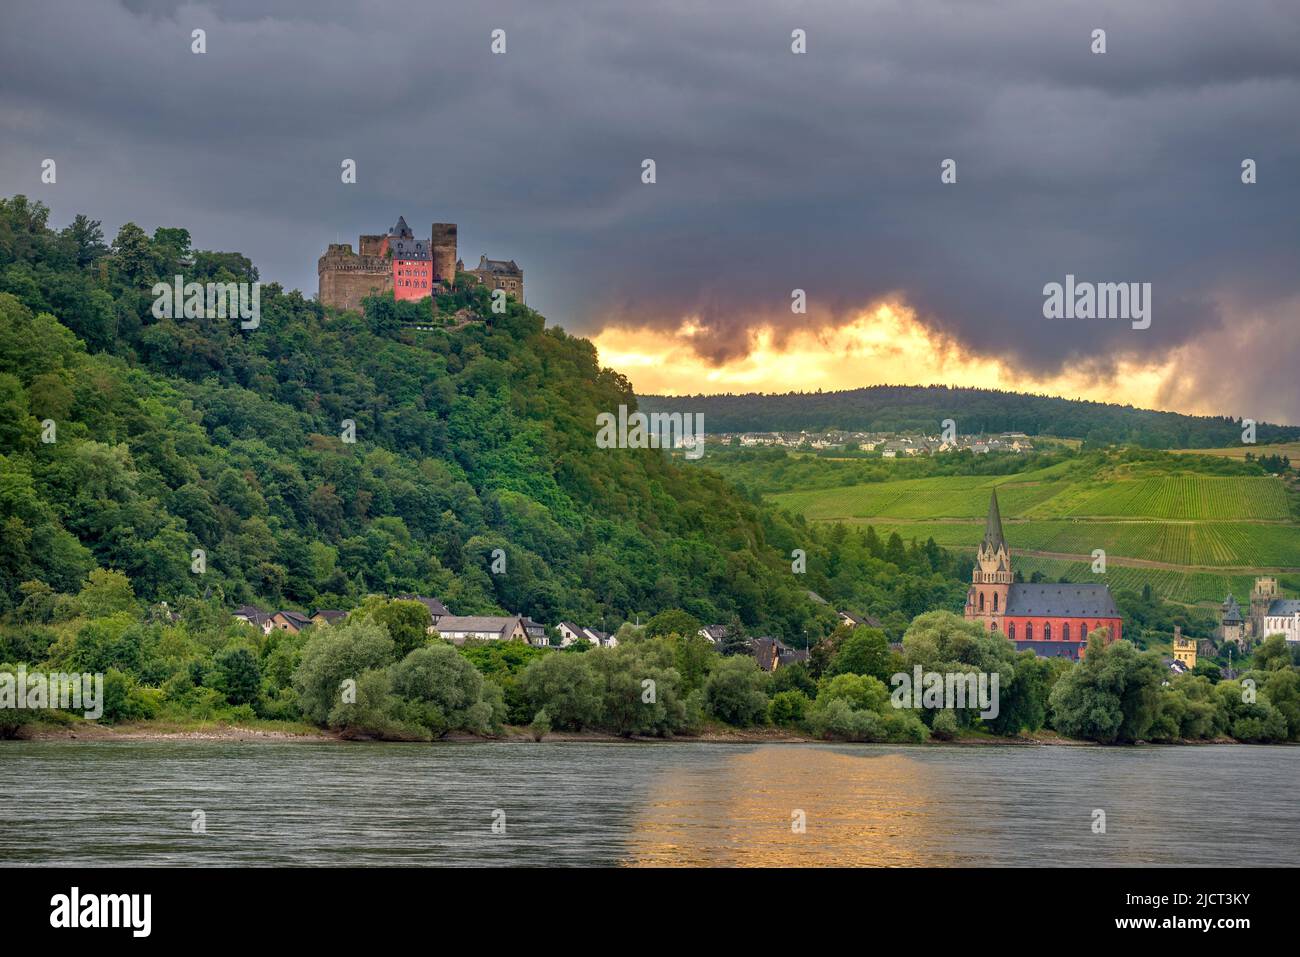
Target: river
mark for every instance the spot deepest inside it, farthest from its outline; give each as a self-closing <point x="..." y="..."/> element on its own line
<point x="671" y="803"/>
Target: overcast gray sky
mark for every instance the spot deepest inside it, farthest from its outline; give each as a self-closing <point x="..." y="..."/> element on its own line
<point x="775" y="171"/>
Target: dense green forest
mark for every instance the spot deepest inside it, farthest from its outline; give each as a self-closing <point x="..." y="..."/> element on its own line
<point x="888" y="408"/>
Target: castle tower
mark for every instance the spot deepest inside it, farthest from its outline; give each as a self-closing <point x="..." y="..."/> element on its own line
<point x="991" y="578"/>
<point x="1232" y="627"/>
<point x="1184" y="648"/>
<point x="443" y="245"/>
<point x="1261" y="596"/>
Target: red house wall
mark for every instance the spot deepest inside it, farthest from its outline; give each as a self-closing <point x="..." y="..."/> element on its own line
<point x="412" y="278"/>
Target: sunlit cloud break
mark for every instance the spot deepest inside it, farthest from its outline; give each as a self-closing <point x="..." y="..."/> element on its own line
<point x="884" y="344"/>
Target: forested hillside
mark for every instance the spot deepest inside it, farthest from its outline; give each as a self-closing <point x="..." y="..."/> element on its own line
<point x="888" y="408"/>
<point x="171" y="435"/>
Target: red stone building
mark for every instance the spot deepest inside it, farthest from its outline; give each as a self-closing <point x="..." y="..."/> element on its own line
<point x="412" y="262"/>
<point x="1052" y="620"/>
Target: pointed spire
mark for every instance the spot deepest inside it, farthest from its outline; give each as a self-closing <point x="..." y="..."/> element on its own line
<point x="993" y="539"/>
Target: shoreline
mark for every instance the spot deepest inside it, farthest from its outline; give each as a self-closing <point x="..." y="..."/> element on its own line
<point x="163" y="731"/>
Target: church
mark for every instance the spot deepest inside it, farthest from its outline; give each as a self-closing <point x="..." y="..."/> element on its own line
<point x="1051" y="620"/>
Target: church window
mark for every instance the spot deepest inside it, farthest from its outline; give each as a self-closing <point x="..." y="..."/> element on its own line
<point x="1029" y="631"/>
<point x="1065" y="631"/>
<point x="995" y="601"/>
<point x="981" y="601"/>
<point x="1011" y="630"/>
<point x="1047" y="631"/>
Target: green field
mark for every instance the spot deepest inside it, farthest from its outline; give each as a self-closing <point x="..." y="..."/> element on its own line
<point x="1201" y="534"/>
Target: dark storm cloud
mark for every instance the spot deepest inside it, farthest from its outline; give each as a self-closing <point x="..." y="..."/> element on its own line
<point x="775" y="171"/>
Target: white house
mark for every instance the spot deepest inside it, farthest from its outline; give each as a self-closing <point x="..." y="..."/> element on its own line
<point x="1283" y="618"/>
<point x="569" y="633"/>
<point x="458" y="629"/>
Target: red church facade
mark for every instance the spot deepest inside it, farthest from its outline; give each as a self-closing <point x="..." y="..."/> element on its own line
<point x="1052" y="620"/>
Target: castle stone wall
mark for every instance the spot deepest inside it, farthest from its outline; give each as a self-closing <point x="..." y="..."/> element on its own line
<point x="346" y="278"/>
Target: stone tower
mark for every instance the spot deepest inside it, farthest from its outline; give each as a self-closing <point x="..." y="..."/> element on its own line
<point x="991" y="578"/>
<point x="1261" y="596"/>
<point x="1232" y="627"/>
<point x="443" y="245"/>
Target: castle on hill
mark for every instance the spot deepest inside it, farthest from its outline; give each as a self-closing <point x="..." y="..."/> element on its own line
<point x="410" y="268"/>
<point x="1051" y="620"/>
<point x="1270" y="614"/>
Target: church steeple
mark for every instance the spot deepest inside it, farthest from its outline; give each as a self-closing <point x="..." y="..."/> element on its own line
<point x="993" y="562"/>
<point x="993" y="540"/>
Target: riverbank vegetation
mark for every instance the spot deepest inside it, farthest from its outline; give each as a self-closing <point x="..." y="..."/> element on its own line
<point x="380" y="675"/>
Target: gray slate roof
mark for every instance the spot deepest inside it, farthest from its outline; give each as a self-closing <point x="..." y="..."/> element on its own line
<point x="1283" y="606"/>
<point x="1063" y="601"/>
<point x="483" y="623"/>
<point x="409" y="248"/>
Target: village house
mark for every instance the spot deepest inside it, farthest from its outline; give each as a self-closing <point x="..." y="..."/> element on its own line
<point x="290" y="621"/>
<point x="772" y="653"/>
<point x="860" y="621"/>
<point x="459" y="629"/>
<point x="252" y="615"/>
<point x="535" y="630"/>
<point x="570" y="632"/>
<point x="328" y="616"/>
<point x="716" y="634"/>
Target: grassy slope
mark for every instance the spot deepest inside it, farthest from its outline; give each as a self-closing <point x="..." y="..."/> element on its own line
<point x="1191" y="537"/>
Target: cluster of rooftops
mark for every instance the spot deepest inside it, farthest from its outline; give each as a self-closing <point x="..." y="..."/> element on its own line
<point x="770" y="653"/>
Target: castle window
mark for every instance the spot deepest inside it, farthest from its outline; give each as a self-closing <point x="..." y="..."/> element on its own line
<point x="1047" y="631"/>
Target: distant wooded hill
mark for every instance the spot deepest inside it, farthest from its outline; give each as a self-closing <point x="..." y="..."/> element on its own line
<point x="923" y="408"/>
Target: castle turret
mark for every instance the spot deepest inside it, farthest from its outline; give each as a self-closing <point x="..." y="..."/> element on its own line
<point x="443" y="245"/>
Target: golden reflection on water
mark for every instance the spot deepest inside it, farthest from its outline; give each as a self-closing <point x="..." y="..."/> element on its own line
<point x="861" y="808"/>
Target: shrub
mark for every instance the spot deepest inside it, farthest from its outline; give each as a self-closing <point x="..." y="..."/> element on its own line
<point x="788" y="708"/>
<point x="734" y="692"/>
<point x="334" y="656"/>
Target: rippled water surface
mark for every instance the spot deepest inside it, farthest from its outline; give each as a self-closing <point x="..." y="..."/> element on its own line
<point x="644" y="804"/>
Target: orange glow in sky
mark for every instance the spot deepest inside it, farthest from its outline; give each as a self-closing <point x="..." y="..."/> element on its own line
<point x="884" y="344"/>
